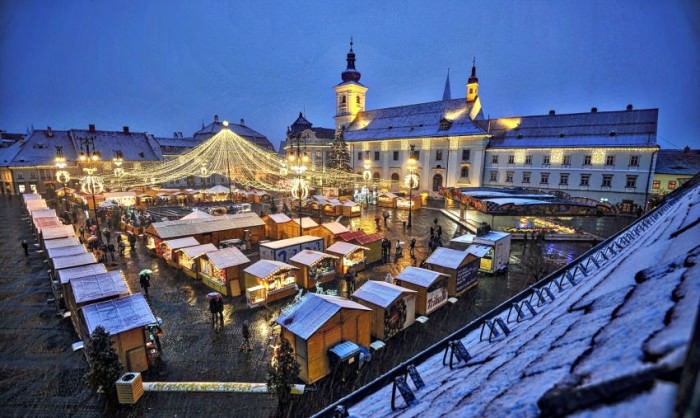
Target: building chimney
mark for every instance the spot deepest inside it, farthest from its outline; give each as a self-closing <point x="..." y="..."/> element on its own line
<point x="552" y="112"/>
<point x="91" y="127"/>
<point x="594" y="109"/>
<point x="216" y="118"/>
<point x="125" y="129"/>
<point x="242" y="122"/>
<point x="630" y="107"/>
<point x="49" y="132"/>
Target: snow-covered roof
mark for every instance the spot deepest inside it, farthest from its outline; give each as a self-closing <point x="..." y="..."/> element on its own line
<point x="239" y="129"/>
<point x="197" y="214"/>
<point x="388" y="194"/>
<point x="335" y="228"/>
<point x="447" y="257"/>
<point x="61" y="242"/>
<point x="41" y="223"/>
<point x="492" y="236"/>
<point x="378" y="293"/>
<point x="478" y="250"/>
<point x="99" y="286"/>
<point x="218" y="189"/>
<point x="279" y="218"/>
<point x="313" y="311"/>
<point x="518" y="201"/>
<point x="36" y="204"/>
<point x="306" y="222"/>
<point x="633" y="313"/>
<point x="198" y="250"/>
<point x="65" y="251"/>
<point x="464" y="239"/>
<point x="175" y="244"/>
<point x="188" y="227"/>
<point x="266" y="268"/>
<point x="283" y="243"/>
<point x="344" y="248"/>
<point x="119" y="315"/>
<point x="74" y="260"/>
<point x="350" y="203"/>
<point x="54" y="232"/>
<point x="118" y="195"/>
<point x="365" y="238"/>
<point x="678" y="161"/>
<point x="31" y="196"/>
<point x="419" y="276"/>
<point x="310" y="257"/>
<point x="66" y="275"/>
<point x="227" y="257"/>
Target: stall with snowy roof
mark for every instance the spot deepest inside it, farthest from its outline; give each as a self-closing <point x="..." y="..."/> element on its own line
<point x="61" y="281"/>
<point x="187" y="258"/>
<point x="222" y="270"/>
<point x="291" y="229"/>
<point x="245" y="226"/>
<point x="330" y="231"/>
<point x="275" y="224"/>
<point x="406" y="203"/>
<point x="41" y="223"/>
<point x="269" y="280"/>
<point x="332" y="207"/>
<point x="61" y="242"/>
<point x="168" y="249"/>
<point x="315" y="267"/>
<point x="393" y="307"/>
<point x="85" y="290"/>
<point x="30" y="196"/>
<point x="352" y="257"/>
<point x="316" y="325"/>
<point x="387" y="200"/>
<point x="430" y="287"/>
<point x="373" y="243"/>
<point x="126" y="320"/>
<point x="55" y="232"/>
<point x="351" y="209"/>
<point x="461" y="267"/>
<point x="283" y="250"/>
<point x="495" y="258"/>
<point x="123" y="199"/>
<point x="58" y="263"/>
<point x="65" y="251"/>
<point x="44" y="213"/>
<point x="36" y="205"/>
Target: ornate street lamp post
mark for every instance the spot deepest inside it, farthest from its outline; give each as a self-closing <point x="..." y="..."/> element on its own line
<point x="91" y="183"/>
<point x="412" y="181"/>
<point x="300" y="188"/>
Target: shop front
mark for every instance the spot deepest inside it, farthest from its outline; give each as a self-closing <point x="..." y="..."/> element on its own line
<point x="315" y="267"/>
<point x="430" y="287"/>
<point x="352" y="257"/>
<point x="268" y="280"/>
<point x="222" y="270"/>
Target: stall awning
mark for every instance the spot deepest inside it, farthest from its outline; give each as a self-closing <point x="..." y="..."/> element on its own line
<point x="44" y="213"/>
<point x="419" y="276"/>
<point x="197" y="214"/>
<point x="198" y="250"/>
<point x="313" y="311"/>
<point x="66" y="275"/>
<point x="61" y="242"/>
<point x="73" y="260"/>
<point x="175" y="244"/>
<point x="310" y="257"/>
<point x="99" y="286"/>
<point x="335" y="228"/>
<point x="119" y="315"/>
<point x="279" y="218"/>
<point x="65" y="251"/>
<point x="344" y="248"/>
<point x="382" y="294"/>
<point x="227" y="257"/>
<point x="447" y="257"/>
<point x="478" y="250"/>
<point x="266" y="268"/>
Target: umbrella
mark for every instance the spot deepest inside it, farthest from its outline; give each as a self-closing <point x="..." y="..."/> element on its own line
<point x="91" y="238"/>
<point x="145" y="272"/>
<point x="213" y="295"/>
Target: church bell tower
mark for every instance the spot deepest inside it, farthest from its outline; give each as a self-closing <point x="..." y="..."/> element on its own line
<point x="349" y="94"/>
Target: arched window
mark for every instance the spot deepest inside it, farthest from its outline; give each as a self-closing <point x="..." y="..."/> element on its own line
<point x="437" y="182"/>
<point x="465" y="172"/>
<point x="342" y="99"/>
<point x="375" y="176"/>
<point x="395" y="177"/>
<point x="357" y="99"/>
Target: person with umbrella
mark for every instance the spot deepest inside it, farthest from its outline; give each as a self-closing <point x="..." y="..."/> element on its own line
<point x="145" y="280"/>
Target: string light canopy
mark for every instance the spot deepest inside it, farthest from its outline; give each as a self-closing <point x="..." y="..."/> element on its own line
<point x="249" y="165"/>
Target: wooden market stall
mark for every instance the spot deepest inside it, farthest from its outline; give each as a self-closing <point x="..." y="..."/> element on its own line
<point x="187" y="258"/>
<point x="77" y="260"/>
<point x="65" y="251"/>
<point x="85" y="290"/>
<point x="373" y="242"/>
<point x="41" y="223"/>
<point x="30" y="196"/>
<point x="55" y="232"/>
<point x="393" y="307"/>
<point x="44" y="213"/>
<point x="125" y="319"/>
<point x="61" y="242"/>
<point x="269" y="280"/>
<point x="386" y="200"/>
<point x="314" y="267"/>
<point x="318" y="324"/>
<point x="352" y="257"/>
<point x="275" y="225"/>
<point x="351" y="209"/>
<point x="430" y="287"/>
<point x="291" y="229"/>
<point x="123" y="199"/>
<point x="35" y="205"/>
<point x="168" y="249"/>
<point x="285" y="249"/>
<point x="222" y="270"/>
<point x="330" y="231"/>
<point x="63" y="277"/>
<point x="404" y="203"/>
<point x="197" y="214"/>
<point x="496" y="258"/>
<point x="460" y="266"/>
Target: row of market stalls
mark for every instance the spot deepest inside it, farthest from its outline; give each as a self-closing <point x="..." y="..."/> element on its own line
<point x="91" y="295"/>
<point x="331" y="206"/>
<point x="394" y="201"/>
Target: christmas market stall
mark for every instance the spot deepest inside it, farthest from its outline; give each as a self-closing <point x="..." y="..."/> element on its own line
<point x="351" y="209"/>
<point x="393" y="307"/>
<point x="387" y="200"/>
<point x="55" y="232"/>
<point x="285" y="249"/>
<point x="61" y="242"/>
<point x="187" y="258"/>
<point x="65" y="251"/>
<point x="168" y="249"/>
<point x="317" y="325"/>
<point x="404" y="203"/>
<point x="352" y="257"/>
<point x="77" y="260"/>
<point x="430" y="287"/>
<point x="291" y="229"/>
<point x="373" y="242"/>
<point x="330" y="231"/>
<point x="275" y="225"/>
<point x="41" y="223"/>
<point x="245" y="226"/>
<point x="126" y="320"/>
<point x="85" y="290"/>
<point x="269" y="280"/>
<point x="460" y="266"/>
<point x="496" y="258"/>
<point x="123" y="199"/>
<point x="222" y="270"/>
<point x="30" y="196"/>
<point x="63" y="277"/>
<point x="314" y="267"/>
<point x="35" y="205"/>
<point x="197" y="214"/>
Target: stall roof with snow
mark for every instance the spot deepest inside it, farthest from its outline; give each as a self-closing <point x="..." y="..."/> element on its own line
<point x="344" y="248"/>
<point x="189" y="227"/>
<point x="279" y="218"/>
<point x="61" y="242"/>
<point x="313" y="311"/>
<point x="382" y="294"/>
<point x="420" y="276"/>
<point x="310" y="257"/>
<point x="65" y="251"/>
<point x="99" y="286"/>
<point x="283" y="243"/>
<point x="447" y="257"/>
<point x="197" y="214"/>
<point x="54" y="232"/>
<point x="306" y="222"/>
<point x="41" y="223"/>
<point x="73" y="260"/>
<point x="198" y="250"/>
<point x="478" y="250"/>
<point x="335" y="228"/>
<point x="119" y="315"/>
<point x="44" y="213"/>
<point x="69" y="274"/>
<point x="266" y="268"/>
<point x="30" y="196"/>
<point x="227" y="257"/>
<point x="176" y="244"/>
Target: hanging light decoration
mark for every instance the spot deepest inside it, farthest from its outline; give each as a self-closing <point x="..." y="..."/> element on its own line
<point x="62" y="176"/>
<point x="91" y="183"/>
<point x="300" y="188"/>
<point x="411" y="181"/>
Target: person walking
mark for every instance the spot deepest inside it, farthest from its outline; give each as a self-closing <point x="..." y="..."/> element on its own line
<point x="399" y="249"/>
<point x="25" y="246"/>
<point x="386" y="218"/>
<point x="386" y="248"/>
<point x="432" y="232"/>
<point x="132" y="242"/>
<point x="245" y="332"/>
<point x="412" y="248"/>
<point x="376" y="221"/>
<point x="145" y="280"/>
<point x="439" y="231"/>
<point x="122" y="247"/>
<point x="220" y="311"/>
<point x="213" y="308"/>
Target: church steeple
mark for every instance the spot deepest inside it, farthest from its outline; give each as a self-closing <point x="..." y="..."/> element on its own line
<point x="446" y="94"/>
<point x="350" y="73"/>
<point x="473" y="84"/>
<point x="349" y="94"/>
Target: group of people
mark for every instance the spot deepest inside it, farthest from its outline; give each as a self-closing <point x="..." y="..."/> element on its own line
<point x="216" y="307"/>
<point x="435" y="239"/>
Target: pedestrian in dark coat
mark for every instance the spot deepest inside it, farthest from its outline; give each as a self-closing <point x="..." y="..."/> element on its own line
<point x="145" y="281"/>
<point x="25" y="246"/>
<point x="439" y="231"/>
<point x="432" y="232"/>
<point x="245" y="332"/>
<point x="108" y="234"/>
<point x="220" y="310"/>
<point x="412" y="248"/>
<point x="213" y="308"/>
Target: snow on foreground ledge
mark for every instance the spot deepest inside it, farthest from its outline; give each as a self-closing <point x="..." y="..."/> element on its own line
<point x="633" y="315"/>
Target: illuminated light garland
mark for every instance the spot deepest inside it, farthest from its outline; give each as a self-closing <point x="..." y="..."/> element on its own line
<point x="411" y="181"/>
<point x="91" y="183"/>
<point x="62" y="176"/>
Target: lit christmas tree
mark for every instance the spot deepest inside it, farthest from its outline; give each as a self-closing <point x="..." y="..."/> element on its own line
<point x="340" y="157"/>
<point x="282" y="372"/>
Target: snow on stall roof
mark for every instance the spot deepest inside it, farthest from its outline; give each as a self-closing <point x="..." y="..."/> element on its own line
<point x="227" y="257"/>
<point x="65" y="251"/>
<point x="382" y="294"/>
<point x="282" y="243"/>
<point x="218" y="189"/>
<point x="66" y="275"/>
<point x="447" y="257"/>
<point x="335" y="228"/>
<point x="310" y="257"/>
<point x="388" y="194"/>
<point x="188" y="227"/>
<point x="61" y="242"/>
<point x="633" y="313"/>
<point x="198" y="250"/>
<point x="31" y="196"/>
<point x="99" y="286"/>
<point x="365" y="239"/>
<point x="73" y="260"/>
<point x="279" y="218"/>
<point x="464" y="239"/>
<point x="478" y="250"/>
<point x="492" y="236"/>
<point x="306" y="222"/>
<point x="344" y="248"/>
<point x="175" y="244"/>
<point x="37" y="203"/>
<point x="515" y="201"/>
<point x="63" y="231"/>
<point x="197" y="214"/>
<point x="314" y="311"/>
<point x="266" y="268"/>
<point x="119" y="315"/>
<point x="419" y="276"/>
<point x="44" y="213"/>
<point x="41" y="223"/>
<point x="114" y="195"/>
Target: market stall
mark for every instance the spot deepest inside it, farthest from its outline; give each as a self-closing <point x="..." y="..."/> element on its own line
<point x="404" y="203"/>
<point x="275" y="225"/>
<point x="351" y="209"/>
<point x="314" y="267"/>
<point x="493" y="261"/>
<point x="35" y="205"/>
<point x="330" y="231"/>
<point x="63" y="277"/>
<point x="123" y="199"/>
<point x="44" y="213"/>
<point x="460" y="266"/>
<point x="65" y="251"/>
<point x="373" y="242"/>
<point x="125" y="319"/>
<point x="85" y="290"/>
<point x="291" y="229"/>
<point x="352" y="257"/>
<point x="41" y="223"/>
<point x="56" y="232"/>
<point x="319" y="323"/>
<point x="386" y="200"/>
<point x="61" y="242"/>
<point x="222" y="270"/>
<point x="246" y="226"/>
<point x="393" y="307"/>
<point x="77" y="260"/>
<point x="168" y="248"/>
<point x="187" y="258"/>
<point x="269" y="280"/>
<point x="430" y="287"/>
<point x="284" y="249"/>
<point x="197" y="214"/>
<point x="30" y="196"/>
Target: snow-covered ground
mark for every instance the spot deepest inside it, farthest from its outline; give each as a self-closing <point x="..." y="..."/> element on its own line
<point x="631" y="315"/>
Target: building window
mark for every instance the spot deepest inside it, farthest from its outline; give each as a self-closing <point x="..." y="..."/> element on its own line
<point x="22" y="188"/>
<point x="493" y="175"/>
<point x="607" y="180"/>
<point x="438" y="155"/>
<point x="544" y="178"/>
<point x="656" y="184"/>
<point x="528" y="160"/>
<point x="466" y="154"/>
<point x="376" y="155"/>
<point x="585" y="179"/>
<point x="396" y="156"/>
<point x="545" y="160"/>
<point x="509" y="176"/>
<point x="20" y="176"/>
<point x="566" y="161"/>
<point x="357" y="99"/>
<point x="359" y="156"/>
<point x="375" y="176"/>
<point x="587" y="160"/>
<point x="564" y="179"/>
<point x="526" y="177"/>
<point x="631" y="182"/>
<point x="395" y="177"/>
<point x="610" y="160"/>
<point x="33" y="188"/>
<point x="494" y="159"/>
<point x="511" y="159"/>
<point x="672" y="185"/>
<point x="342" y="100"/>
<point x="416" y="155"/>
<point x="634" y="160"/>
<point x="464" y="173"/>
<point x="32" y="175"/>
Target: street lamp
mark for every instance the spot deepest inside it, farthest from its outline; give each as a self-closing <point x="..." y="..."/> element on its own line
<point x="62" y="175"/>
<point x="412" y="181"/>
<point x="367" y="176"/>
<point x="118" y="160"/>
<point x="91" y="183"/>
<point x="300" y="188"/>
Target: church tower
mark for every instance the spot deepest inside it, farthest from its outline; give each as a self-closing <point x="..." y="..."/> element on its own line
<point x="473" y="84"/>
<point x="349" y="94"/>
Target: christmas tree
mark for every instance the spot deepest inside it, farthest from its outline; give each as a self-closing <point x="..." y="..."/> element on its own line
<point x="282" y="372"/>
<point x="105" y="368"/>
<point x="340" y="157"/>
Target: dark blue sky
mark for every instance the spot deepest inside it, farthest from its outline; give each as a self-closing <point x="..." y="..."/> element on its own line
<point x="165" y="66"/>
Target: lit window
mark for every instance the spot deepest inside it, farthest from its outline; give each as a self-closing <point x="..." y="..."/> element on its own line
<point x="526" y="177"/>
<point x="656" y="184"/>
<point x="607" y="180"/>
<point x="464" y="173"/>
<point x="631" y="182"/>
<point x="634" y="160"/>
<point x="564" y="179"/>
<point x="585" y="179"/>
<point x="493" y="175"/>
<point x="672" y="185"/>
<point x="22" y="188"/>
<point x="544" y="178"/>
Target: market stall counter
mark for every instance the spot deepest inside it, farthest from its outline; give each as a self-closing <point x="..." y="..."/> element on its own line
<point x="269" y="280"/>
<point x="430" y="287"/>
<point x="187" y="258"/>
<point x="352" y="257"/>
<point x="460" y="266"/>
<point x="222" y="270"/>
<point x="315" y="267"/>
<point x="168" y="249"/>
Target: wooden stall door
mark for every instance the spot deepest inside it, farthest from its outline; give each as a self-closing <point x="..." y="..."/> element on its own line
<point x="136" y="360"/>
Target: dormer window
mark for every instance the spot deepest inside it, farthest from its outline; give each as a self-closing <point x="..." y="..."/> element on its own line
<point x="445" y="124"/>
